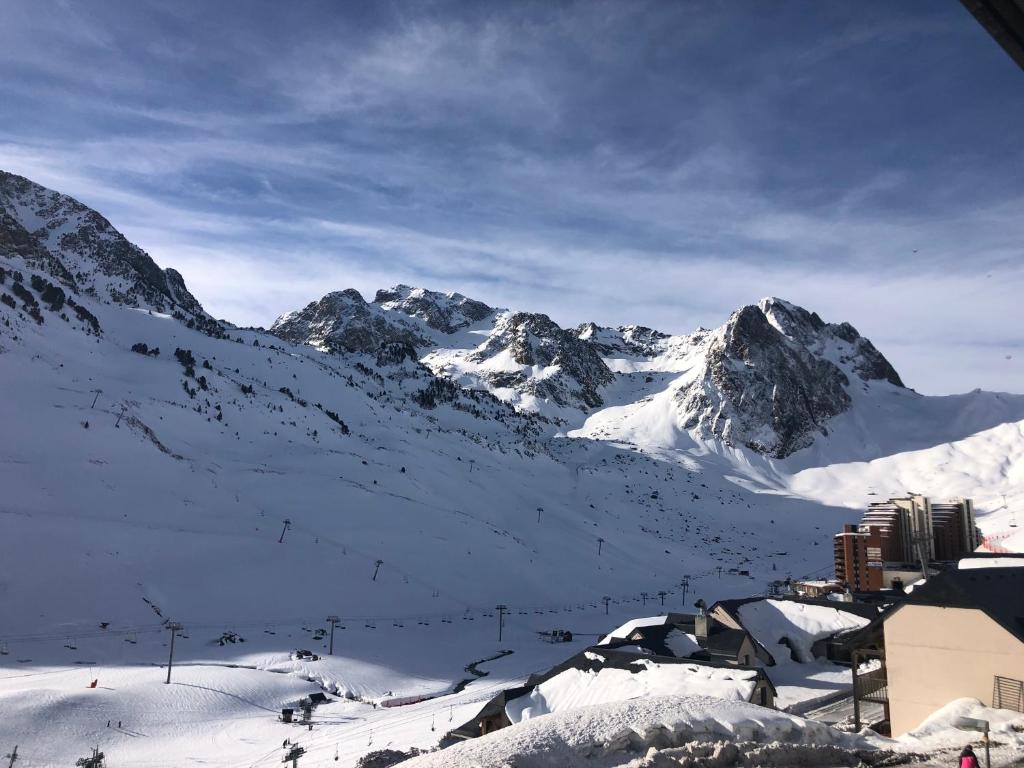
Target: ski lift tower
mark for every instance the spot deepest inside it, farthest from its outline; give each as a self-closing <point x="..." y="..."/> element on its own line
<point x="93" y="761"/>
<point x="921" y="541"/>
<point x="293" y="755"/>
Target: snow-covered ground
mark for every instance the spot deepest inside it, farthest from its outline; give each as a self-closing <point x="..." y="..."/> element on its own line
<point x="137" y="487"/>
<point x="666" y="731"/>
<point x="654" y="731"/>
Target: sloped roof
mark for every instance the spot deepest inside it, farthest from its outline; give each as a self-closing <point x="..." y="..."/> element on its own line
<point x="722" y="641"/>
<point x="594" y="659"/>
<point x="602" y="657"/>
<point x="998" y="592"/>
<point x="863" y="610"/>
<point x="1004" y="20"/>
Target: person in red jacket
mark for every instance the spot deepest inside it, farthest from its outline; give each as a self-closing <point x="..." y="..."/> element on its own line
<point x="968" y="759"/>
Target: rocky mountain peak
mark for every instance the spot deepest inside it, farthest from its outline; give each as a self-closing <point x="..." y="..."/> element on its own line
<point x="775" y="374"/>
<point x="840" y="341"/>
<point x="343" y="321"/>
<point x="57" y="234"/>
<point x="445" y="312"/>
<point x="557" y="364"/>
<point x="624" y="340"/>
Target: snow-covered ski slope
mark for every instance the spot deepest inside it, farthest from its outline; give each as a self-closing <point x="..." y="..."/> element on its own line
<point x="143" y="487"/>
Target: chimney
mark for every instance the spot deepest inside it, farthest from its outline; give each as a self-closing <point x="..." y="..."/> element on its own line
<point x="700" y="627"/>
<point x="701" y="622"/>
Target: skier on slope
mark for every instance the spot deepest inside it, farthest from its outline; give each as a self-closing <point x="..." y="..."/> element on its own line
<point x="968" y="759"/>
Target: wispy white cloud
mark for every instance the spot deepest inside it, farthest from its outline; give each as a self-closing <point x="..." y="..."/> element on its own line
<point x="600" y="161"/>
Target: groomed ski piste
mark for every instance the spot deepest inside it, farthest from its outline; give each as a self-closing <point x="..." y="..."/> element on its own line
<point x="140" y="488"/>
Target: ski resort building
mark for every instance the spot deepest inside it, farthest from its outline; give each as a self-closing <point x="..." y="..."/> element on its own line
<point x="601" y="675"/>
<point x="859" y="557"/>
<point x="900" y="535"/>
<point x="689" y="636"/>
<point x="793" y="627"/>
<point x="959" y="635"/>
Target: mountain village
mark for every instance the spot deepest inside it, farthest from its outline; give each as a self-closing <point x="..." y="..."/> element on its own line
<point x="424" y="529"/>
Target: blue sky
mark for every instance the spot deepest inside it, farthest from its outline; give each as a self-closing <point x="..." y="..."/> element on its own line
<point x="660" y="163"/>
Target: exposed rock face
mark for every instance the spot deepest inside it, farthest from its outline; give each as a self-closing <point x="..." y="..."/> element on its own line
<point x="565" y="368"/>
<point x="762" y="390"/>
<point x="770" y="379"/>
<point x="774" y="375"/>
<point x="443" y="312"/>
<point x="80" y="248"/>
<point x="848" y="346"/>
<point x="629" y="340"/>
<point x="344" y="322"/>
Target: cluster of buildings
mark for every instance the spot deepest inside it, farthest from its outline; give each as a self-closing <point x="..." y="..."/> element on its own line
<point x="672" y="653"/>
<point x="960" y="635"/>
<point x="920" y="619"/>
<point x="902" y="540"/>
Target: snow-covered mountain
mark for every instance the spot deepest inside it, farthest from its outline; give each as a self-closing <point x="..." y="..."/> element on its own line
<point x="770" y="379"/>
<point x="151" y="455"/>
<point x="74" y="244"/>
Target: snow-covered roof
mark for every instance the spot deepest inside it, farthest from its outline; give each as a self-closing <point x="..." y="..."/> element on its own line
<point x="682" y="644"/>
<point x="800" y="624"/>
<point x="623" y="632"/>
<point x="626" y="676"/>
<point x="1010" y="561"/>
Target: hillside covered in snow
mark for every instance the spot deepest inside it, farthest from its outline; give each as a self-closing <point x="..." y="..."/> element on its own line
<point x="407" y="464"/>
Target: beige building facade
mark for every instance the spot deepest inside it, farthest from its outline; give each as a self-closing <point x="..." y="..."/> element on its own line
<point x="935" y="654"/>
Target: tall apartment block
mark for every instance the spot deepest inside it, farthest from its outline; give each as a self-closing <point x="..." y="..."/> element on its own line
<point x="903" y="531"/>
<point x="859" y="558"/>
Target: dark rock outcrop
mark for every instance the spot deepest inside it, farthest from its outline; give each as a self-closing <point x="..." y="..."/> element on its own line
<point x="535" y="340"/>
<point x="442" y="312"/>
<point x="774" y="376"/>
<point x="343" y="321"/>
<point x="57" y="234"/>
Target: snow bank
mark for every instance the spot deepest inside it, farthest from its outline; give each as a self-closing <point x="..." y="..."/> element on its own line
<point x="576" y="688"/>
<point x="615" y="734"/>
<point x="940" y="729"/>
<point x="800" y="624"/>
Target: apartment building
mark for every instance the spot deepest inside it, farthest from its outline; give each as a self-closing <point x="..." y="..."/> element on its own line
<point x="899" y="535"/>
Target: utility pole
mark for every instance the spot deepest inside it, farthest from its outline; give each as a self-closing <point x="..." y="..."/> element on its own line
<point x="643" y="596"/>
<point x="606" y="600"/>
<point x="334" y="620"/>
<point x="600" y="543"/>
<point x="174" y="627"/>
<point x="539" y="510"/>
<point x="13" y="756"/>
<point x="685" y="584"/>
<point x="662" y="594"/>
<point x="920" y="541"/>
<point x="124" y="409"/>
<point x="501" y="618"/>
<point x="377" y="568"/>
<point x="287" y="525"/>
<point x="97" y="397"/>
<point x="719" y="569"/>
